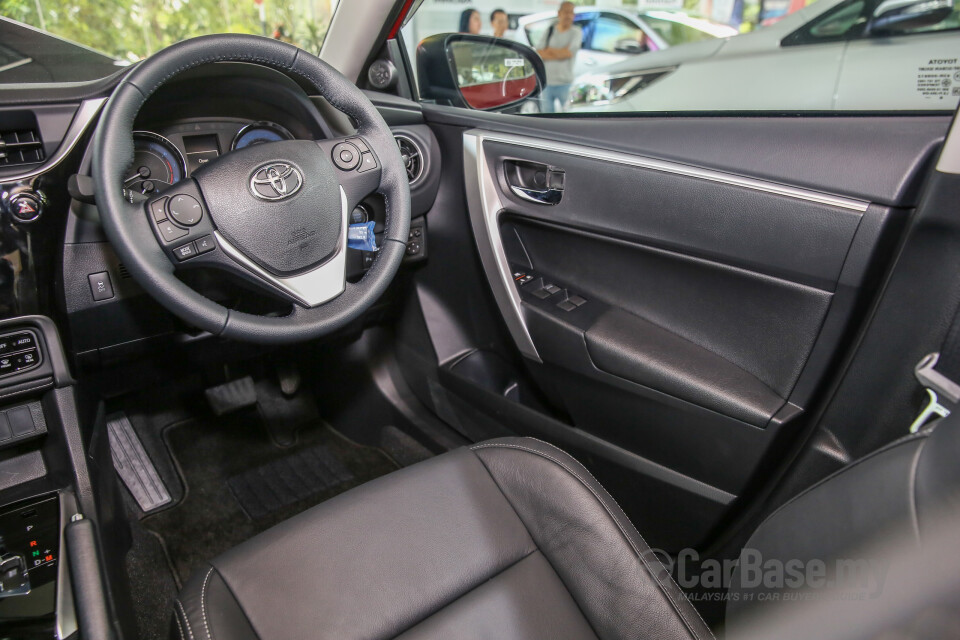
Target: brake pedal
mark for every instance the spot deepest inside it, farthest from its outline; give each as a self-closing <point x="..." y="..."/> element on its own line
<point x="232" y="396"/>
<point x="134" y="465"/>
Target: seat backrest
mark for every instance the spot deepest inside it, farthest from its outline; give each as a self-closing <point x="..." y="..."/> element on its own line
<point x="900" y="487"/>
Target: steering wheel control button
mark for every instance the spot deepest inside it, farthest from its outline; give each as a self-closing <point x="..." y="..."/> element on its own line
<point x="100" y="286"/>
<point x="346" y="156"/>
<point x="185" y="210"/>
<point x="206" y="243"/>
<point x="367" y="163"/>
<point x="170" y="231"/>
<point x="186" y="251"/>
<point x="360" y="144"/>
<point x="158" y="209"/>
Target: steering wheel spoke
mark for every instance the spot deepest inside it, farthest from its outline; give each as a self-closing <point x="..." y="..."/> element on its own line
<point x="310" y="288"/>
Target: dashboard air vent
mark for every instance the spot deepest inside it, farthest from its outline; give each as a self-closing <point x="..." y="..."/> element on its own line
<point x="20" y="146"/>
<point x="412" y="156"/>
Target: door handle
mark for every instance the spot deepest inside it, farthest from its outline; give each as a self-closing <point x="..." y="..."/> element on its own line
<point x="540" y="196"/>
<point x="534" y="181"/>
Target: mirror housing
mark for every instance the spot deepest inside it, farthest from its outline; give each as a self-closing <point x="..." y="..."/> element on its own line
<point x="478" y="72"/>
<point x="892" y="16"/>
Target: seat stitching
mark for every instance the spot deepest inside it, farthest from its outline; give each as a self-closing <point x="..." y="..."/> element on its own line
<point x="186" y="620"/>
<point x="468" y="591"/>
<point x="633" y="526"/>
<point x="176" y="618"/>
<point x="643" y="560"/>
<point x="536" y="547"/>
<point x="203" y="603"/>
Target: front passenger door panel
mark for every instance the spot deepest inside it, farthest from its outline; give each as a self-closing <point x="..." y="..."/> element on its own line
<point x="681" y="314"/>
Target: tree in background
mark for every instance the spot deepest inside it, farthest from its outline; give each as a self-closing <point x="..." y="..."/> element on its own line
<point x="131" y="29"/>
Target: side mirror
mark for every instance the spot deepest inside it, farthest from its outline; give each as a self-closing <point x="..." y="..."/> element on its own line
<point x="892" y="16"/>
<point x="628" y="45"/>
<point x="478" y="72"/>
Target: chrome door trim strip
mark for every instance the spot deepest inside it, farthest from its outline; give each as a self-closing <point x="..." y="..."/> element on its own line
<point x="677" y="168"/>
<point x="85" y="114"/>
<point x="312" y="288"/>
<point x="484" y="205"/>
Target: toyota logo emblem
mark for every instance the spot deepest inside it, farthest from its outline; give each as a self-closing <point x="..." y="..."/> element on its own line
<point x="276" y="181"/>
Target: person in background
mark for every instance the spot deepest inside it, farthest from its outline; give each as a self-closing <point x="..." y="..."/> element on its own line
<point x="499" y="22"/>
<point x="470" y="21"/>
<point x="558" y="51"/>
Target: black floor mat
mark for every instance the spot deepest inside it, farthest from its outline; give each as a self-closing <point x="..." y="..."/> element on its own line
<point x="239" y="483"/>
<point x="283" y="482"/>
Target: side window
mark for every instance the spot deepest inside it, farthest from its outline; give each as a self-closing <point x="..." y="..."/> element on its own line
<point x="783" y="56"/>
<point x="839" y="24"/>
<point x="610" y="32"/>
<point x="674" y="33"/>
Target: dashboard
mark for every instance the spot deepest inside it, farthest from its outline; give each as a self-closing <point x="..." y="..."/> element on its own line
<point x="163" y="158"/>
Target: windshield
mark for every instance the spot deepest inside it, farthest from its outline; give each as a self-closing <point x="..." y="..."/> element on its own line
<point x="78" y="40"/>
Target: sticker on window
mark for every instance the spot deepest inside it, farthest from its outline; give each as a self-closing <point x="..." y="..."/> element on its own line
<point x="939" y="78"/>
<point x="513" y="62"/>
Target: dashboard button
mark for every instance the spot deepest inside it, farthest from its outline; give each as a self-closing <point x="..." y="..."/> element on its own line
<point x="17" y="342"/>
<point x="21" y="421"/>
<point x="26" y="360"/>
<point x="100" y="286"/>
<point x="170" y="231"/>
<point x="345" y="156"/>
<point x="206" y="243"/>
<point x="158" y="209"/>
<point x="185" y="210"/>
<point x="367" y="163"/>
<point x="6" y="364"/>
<point x="185" y="252"/>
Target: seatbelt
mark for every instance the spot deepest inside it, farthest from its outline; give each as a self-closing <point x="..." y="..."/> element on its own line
<point x="936" y="373"/>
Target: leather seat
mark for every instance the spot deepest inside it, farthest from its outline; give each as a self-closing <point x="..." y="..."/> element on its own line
<point x="510" y="538"/>
<point x="513" y="538"/>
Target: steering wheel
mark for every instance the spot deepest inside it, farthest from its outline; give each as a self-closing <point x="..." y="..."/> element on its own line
<point x="275" y="214"/>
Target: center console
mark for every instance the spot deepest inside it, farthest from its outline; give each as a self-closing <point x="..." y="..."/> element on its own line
<point x="42" y="473"/>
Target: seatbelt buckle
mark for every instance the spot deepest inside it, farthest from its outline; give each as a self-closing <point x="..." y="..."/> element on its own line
<point x="937" y="386"/>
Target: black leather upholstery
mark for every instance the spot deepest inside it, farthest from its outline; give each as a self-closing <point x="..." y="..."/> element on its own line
<point x="510" y="538"/>
<point x="903" y="487"/>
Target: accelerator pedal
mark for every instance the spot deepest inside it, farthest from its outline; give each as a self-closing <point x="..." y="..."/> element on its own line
<point x="232" y="396"/>
<point x="134" y="465"/>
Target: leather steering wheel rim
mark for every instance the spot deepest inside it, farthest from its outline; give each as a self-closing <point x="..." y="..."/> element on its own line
<point x="130" y="232"/>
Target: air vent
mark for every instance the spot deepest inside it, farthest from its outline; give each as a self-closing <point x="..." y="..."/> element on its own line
<point x="21" y="146"/>
<point x="124" y="274"/>
<point x="412" y="156"/>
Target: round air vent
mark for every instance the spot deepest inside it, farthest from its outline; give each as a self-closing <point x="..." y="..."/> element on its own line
<point x="412" y="156"/>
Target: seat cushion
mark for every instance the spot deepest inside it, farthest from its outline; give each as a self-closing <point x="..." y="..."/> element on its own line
<point x="510" y="538"/>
